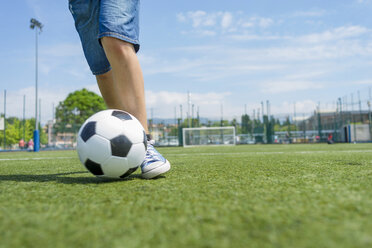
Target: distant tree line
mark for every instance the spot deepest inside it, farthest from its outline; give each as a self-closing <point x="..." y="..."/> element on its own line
<point x="70" y="115"/>
<point x="17" y="129"/>
<point x="81" y="104"/>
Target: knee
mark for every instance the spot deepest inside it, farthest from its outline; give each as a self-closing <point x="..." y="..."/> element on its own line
<point x="117" y="46"/>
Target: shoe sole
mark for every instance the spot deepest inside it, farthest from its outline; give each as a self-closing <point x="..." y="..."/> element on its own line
<point x="161" y="169"/>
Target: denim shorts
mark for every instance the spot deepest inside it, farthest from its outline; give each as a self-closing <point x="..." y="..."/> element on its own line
<point x="95" y="19"/>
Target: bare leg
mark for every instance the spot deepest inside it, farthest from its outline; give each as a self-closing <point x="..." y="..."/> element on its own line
<point x="123" y="86"/>
<point x="125" y="90"/>
<point x="108" y="90"/>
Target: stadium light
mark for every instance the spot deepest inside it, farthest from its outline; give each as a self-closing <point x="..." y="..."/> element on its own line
<point x="35" y="24"/>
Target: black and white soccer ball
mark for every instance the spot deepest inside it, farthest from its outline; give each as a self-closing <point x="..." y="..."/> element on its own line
<point x="112" y="143"/>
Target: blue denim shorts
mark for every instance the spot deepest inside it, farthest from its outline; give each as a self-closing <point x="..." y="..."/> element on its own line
<point x="95" y="19"/>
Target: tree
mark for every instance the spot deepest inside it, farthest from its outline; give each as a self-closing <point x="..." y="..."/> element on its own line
<point x="76" y="108"/>
<point x="12" y="131"/>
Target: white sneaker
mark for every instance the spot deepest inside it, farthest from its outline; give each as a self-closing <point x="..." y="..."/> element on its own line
<point x="154" y="164"/>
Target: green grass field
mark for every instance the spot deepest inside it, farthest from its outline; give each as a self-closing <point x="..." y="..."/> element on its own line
<point x="242" y="196"/>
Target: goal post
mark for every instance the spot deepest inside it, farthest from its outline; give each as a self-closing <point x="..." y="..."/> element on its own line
<point x="205" y="136"/>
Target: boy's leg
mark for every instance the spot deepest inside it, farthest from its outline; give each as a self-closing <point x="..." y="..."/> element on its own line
<point x="108" y="90"/>
<point x="123" y="87"/>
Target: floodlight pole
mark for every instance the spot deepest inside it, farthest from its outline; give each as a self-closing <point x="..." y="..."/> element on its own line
<point x="36" y="80"/>
<point x="24" y="118"/>
<point x="4" y="119"/>
<point x="35" y="24"/>
<point x="188" y="108"/>
<point x="369" y="109"/>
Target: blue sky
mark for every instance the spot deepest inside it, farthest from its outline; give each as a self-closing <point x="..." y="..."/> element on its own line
<point x="231" y="53"/>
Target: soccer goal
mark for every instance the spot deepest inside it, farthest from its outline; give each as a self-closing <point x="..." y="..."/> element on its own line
<point x="205" y="136"/>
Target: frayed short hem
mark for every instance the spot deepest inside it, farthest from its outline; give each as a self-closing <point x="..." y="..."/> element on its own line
<point x="120" y="37"/>
<point x="96" y="73"/>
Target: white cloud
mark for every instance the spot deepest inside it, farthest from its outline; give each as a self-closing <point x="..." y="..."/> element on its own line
<point x="247" y="24"/>
<point x="49" y="98"/>
<point x="309" y="74"/>
<point x="176" y="98"/>
<point x="218" y="62"/>
<point x="94" y="88"/>
<point x="207" y="23"/>
<point x="163" y="103"/>
<point x="208" y="66"/>
<point x="254" y="21"/>
<point x="181" y="17"/>
<point x="61" y="50"/>
<point x="207" y="33"/>
<point x="250" y="37"/>
<point x="226" y="20"/>
<point x="198" y="18"/>
<point x="363" y="1"/>
<point x="310" y="13"/>
<point x="339" y="33"/>
<point x="275" y="87"/>
<point x="296" y="51"/>
<point x="146" y="59"/>
<point x="265" y="22"/>
<point x="306" y="107"/>
<point x="366" y="81"/>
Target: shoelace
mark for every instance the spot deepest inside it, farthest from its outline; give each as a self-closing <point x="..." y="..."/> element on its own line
<point x="151" y="155"/>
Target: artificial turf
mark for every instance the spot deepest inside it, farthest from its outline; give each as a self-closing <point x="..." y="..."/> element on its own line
<point x="238" y="196"/>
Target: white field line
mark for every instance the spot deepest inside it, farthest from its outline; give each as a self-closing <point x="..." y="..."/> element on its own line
<point x="41" y="158"/>
<point x="205" y="154"/>
<point x="263" y="153"/>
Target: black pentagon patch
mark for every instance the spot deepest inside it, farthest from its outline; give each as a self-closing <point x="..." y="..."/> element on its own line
<point x="122" y="115"/>
<point x="145" y="140"/>
<point x="88" y="131"/>
<point x="94" y="168"/>
<point x="120" y="146"/>
<point x="130" y="171"/>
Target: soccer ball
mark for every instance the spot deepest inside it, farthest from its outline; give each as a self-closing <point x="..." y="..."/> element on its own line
<point x="111" y="143"/>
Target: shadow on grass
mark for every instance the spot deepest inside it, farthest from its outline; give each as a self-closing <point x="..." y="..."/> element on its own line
<point x="62" y="178"/>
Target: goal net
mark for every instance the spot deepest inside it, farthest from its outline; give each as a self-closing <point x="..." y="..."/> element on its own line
<point x="208" y="136"/>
